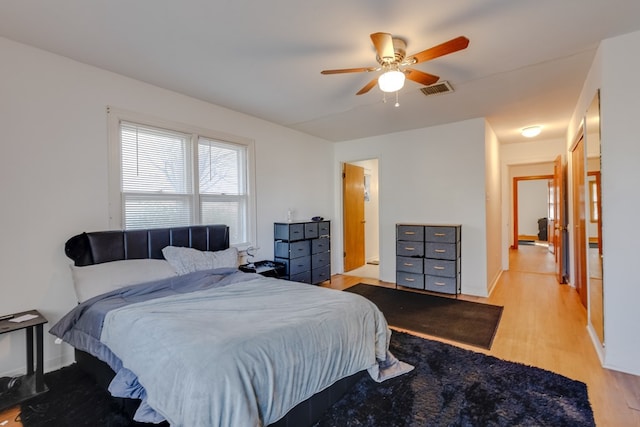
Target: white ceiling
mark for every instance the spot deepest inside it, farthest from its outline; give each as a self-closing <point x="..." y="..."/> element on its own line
<point x="525" y="64"/>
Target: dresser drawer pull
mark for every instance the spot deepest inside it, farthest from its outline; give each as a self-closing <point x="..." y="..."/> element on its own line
<point x="408" y="264"/>
<point x="409" y="280"/>
<point x="439" y="234"/>
<point x="409" y="233"/>
<point x="437" y="267"/>
<point x="410" y="249"/>
<point x="439" y="283"/>
<point x="440" y="251"/>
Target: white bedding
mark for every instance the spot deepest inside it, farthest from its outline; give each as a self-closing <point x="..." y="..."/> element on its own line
<point x="245" y="354"/>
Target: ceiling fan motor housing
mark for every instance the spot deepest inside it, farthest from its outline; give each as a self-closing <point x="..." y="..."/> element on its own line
<point x="399" y="50"/>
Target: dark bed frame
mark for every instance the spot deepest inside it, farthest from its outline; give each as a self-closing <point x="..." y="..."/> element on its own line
<point x="105" y="246"/>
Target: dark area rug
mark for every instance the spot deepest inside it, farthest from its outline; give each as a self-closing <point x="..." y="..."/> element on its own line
<point x="451" y="386"/>
<point x="448" y="387"/>
<point x="74" y="399"/>
<point x="457" y="320"/>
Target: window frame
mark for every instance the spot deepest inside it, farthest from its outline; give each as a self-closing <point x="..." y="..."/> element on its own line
<point x="116" y="210"/>
<point x="594" y="197"/>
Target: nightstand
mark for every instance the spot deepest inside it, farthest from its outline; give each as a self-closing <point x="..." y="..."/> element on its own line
<point x="32" y="383"/>
<point x="265" y="268"/>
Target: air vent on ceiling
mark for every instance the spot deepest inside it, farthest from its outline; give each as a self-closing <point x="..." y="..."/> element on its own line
<point x="437" y="88"/>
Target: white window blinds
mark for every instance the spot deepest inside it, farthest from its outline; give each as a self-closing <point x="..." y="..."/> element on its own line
<point x="160" y="187"/>
<point x="223" y="187"/>
<point x="156" y="178"/>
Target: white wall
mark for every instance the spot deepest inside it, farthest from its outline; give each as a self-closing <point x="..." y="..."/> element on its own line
<point x="493" y="206"/>
<point x="53" y="169"/>
<point x="533" y="199"/>
<point x="432" y="175"/>
<point x="615" y="72"/>
<point x="620" y="106"/>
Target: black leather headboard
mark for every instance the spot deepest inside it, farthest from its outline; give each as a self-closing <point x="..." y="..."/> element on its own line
<point x="104" y="246"/>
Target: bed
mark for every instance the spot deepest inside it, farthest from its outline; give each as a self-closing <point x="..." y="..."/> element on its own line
<point x="201" y="343"/>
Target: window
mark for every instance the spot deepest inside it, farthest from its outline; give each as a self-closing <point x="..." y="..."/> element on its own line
<point x="223" y="194"/>
<point x="168" y="175"/>
<point x="594" y="201"/>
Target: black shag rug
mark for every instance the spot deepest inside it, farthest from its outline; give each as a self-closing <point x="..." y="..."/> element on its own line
<point x="74" y="399"/>
<point x="449" y="318"/>
<point x="448" y="387"/>
<point x="451" y="386"/>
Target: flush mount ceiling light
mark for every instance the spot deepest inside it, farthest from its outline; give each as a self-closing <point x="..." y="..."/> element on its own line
<point x="391" y="81"/>
<point x="531" y="131"/>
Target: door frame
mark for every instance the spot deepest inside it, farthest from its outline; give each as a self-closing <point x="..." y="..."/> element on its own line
<point x="558" y="224"/>
<point x="373" y="233"/>
<point x="578" y="177"/>
<point x="516" y="180"/>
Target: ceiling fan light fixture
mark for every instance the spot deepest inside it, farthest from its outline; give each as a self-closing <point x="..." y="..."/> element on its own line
<point x="391" y="81"/>
<point x="531" y="131"/>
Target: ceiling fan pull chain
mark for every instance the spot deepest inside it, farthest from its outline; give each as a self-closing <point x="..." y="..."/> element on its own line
<point x="397" y="104"/>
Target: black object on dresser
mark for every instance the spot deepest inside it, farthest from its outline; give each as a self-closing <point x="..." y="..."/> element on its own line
<point x="265" y="268"/>
<point x="428" y="257"/>
<point x="305" y="249"/>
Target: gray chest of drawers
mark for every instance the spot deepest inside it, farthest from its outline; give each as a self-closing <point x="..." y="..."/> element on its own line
<point x="305" y="249"/>
<point x="428" y="257"/>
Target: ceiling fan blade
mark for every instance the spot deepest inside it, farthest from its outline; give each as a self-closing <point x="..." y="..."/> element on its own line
<point x="349" y="70"/>
<point x="420" y="77"/>
<point x="368" y="87"/>
<point x="383" y="42"/>
<point x="445" y="48"/>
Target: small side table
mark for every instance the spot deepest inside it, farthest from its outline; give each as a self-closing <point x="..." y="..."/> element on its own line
<point x="265" y="268"/>
<point x="32" y="383"/>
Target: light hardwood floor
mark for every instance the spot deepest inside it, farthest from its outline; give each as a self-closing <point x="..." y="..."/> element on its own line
<point x="544" y="325"/>
<point x="10" y="417"/>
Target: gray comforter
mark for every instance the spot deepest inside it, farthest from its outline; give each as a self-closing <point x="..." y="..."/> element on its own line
<point x="236" y="349"/>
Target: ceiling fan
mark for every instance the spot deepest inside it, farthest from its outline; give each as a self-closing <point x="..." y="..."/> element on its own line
<point x="391" y="55"/>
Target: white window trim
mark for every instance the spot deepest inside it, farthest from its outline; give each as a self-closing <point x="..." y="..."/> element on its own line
<point x="117" y="115"/>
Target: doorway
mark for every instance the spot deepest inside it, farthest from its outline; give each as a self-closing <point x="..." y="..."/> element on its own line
<point x="360" y="206"/>
<point x="545" y="224"/>
<point x="530" y="222"/>
<point x="531" y="196"/>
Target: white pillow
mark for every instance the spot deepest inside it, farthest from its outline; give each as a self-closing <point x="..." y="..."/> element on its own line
<point x="188" y="260"/>
<point x="92" y="280"/>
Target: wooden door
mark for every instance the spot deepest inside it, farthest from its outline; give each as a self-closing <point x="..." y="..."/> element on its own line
<point x="557" y="218"/>
<point x="579" y="221"/>
<point x="353" y="212"/>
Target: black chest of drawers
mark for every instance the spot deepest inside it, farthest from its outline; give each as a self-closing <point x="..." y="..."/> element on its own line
<point x="305" y="249"/>
<point x="428" y="257"/>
